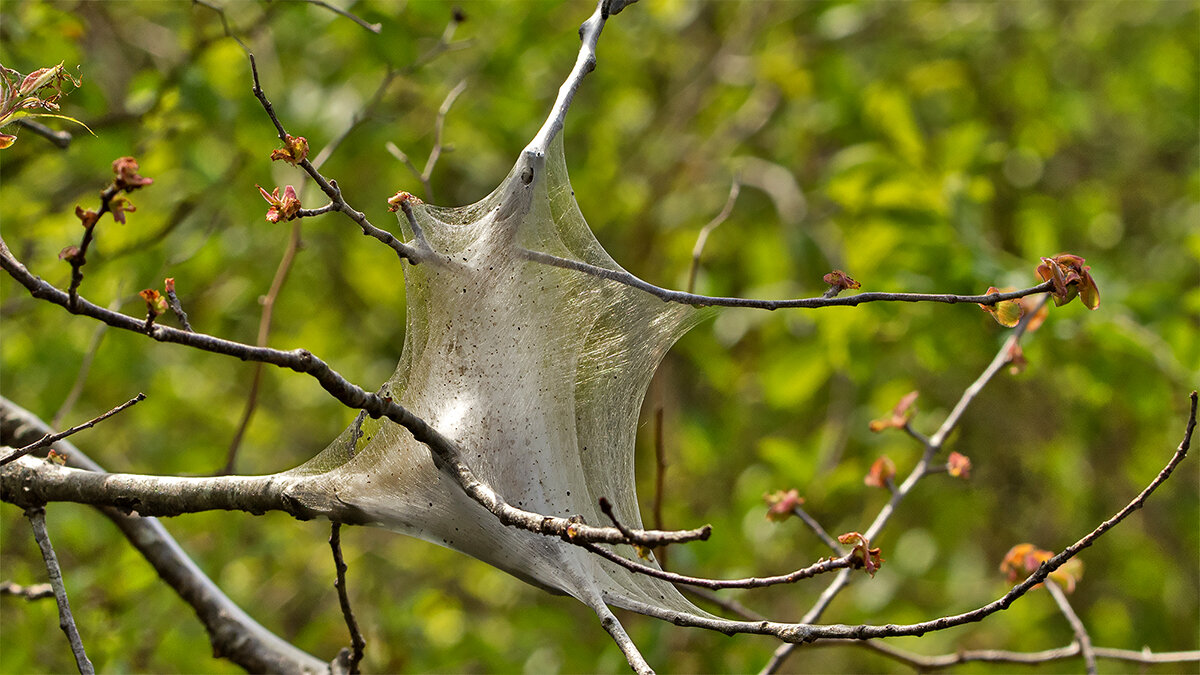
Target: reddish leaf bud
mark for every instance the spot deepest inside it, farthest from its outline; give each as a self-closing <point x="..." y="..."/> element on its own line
<point x="71" y="254"/>
<point x="782" y="504"/>
<point x="1024" y="559"/>
<point x="88" y="218"/>
<point x="881" y="472"/>
<point x="155" y="303"/>
<point x="282" y="208"/>
<point x="901" y="414"/>
<point x="295" y="150"/>
<point x="128" y="179"/>
<point x="119" y="207"/>
<point x="840" y="281"/>
<point x="863" y="556"/>
<point x="1071" y="278"/>
<point x="958" y="465"/>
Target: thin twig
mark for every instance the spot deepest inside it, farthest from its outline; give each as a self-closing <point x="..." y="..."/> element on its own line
<point x="798" y="633"/>
<point x="224" y="23"/>
<point x="923" y="663"/>
<point x="356" y="639"/>
<point x="732" y="606"/>
<point x="37" y="519"/>
<point x="373" y="27"/>
<point x="264" y="333"/>
<point x="818" y="530"/>
<point x="713" y="224"/>
<point x="615" y="630"/>
<point x="680" y="297"/>
<point x="176" y="306"/>
<point x="820" y="567"/>
<point x="660" y="473"/>
<point x="79" y="258"/>
<point x="51" y="439"/>
<point x="932" y="447"/>
<point x="60" y="139"/>
<point x="1081" y="635"/>
<point x="85" y="367"/>
<point x="31" y="593"/>
<point x="330" y="187"/>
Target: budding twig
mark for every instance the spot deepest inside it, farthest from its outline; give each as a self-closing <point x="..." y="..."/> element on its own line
<point x="50" y="439"/>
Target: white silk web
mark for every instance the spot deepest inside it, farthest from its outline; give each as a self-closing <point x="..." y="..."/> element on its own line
<point x="537" y="372"/>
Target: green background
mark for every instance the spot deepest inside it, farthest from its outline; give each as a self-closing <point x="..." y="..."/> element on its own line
<point x="936" y="147"/>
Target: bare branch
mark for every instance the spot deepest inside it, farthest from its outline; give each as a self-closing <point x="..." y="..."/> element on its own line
<point x="820" y="567"/>
<point x="176" y="306"/>
<point x="619" y="636"/>
<point x="60" y="139"/>
<point x="224" y="23"/>
<point x="925" y="663"/>
<point x="50" y="439"/>
<point x="818" y="530"/>
<point x="589" y="35"/>
<point x="713" y="224"/>
<point x="798" y="633"/>
<point x="373" y="27"/>
<point x="732" y="606"/>
<point x="1002" y="358"/>
<point x="1081" y="635"/>
<point x="357" y="643"/>
<point x="922" y="469"/>
<point x="37" y="519"/>
<point x="264" y="333"/>
<point x="680" y="297"/>
<point x="31" y="593"/>
<point x="233" y="633"/>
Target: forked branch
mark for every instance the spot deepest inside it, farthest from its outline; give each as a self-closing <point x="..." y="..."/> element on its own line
<point x="798" y="633"/>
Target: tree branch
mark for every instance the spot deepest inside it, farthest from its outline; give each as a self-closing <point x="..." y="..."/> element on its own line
<point x="60" y="139"/>
<point x="37" y="519"/>
<point x="329" y="187"/>
<point x="820" y="567"/>
<point x="589" y="36"/>
<point x="1081" y="635"/>
<point x="234" y="635"/>
<point x="798" y="633"/>
<point x="925" y="663"/>
<point x="932" y="447"/>
<point x="190" y="494"/>
<point x="357" y="644"/>
<point x="50" y="439"/>
<point x="34" y="592"/>
<point x="680" y="297"/>
<point x="702" y="238"/>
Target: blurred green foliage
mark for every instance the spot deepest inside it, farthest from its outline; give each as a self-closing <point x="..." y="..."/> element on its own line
<point x="919" y="146"/>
